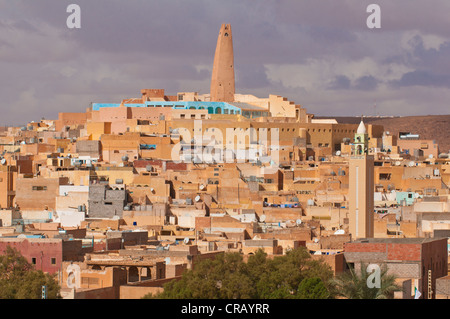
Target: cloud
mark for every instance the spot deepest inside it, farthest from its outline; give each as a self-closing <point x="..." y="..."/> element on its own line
<point x="340" y="82"/>
<point x="319" y="54"/>
<point x="366" y="83"/>
<point x="423" y="78"/>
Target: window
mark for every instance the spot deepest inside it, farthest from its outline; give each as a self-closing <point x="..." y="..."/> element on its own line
<point x="182" y="116"/>
<point x="39" y="188"/>
<point x="33" y="261"/>
<point x="53" y="261"/>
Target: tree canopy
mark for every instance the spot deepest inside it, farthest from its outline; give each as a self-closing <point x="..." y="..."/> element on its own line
<point x="19" y="280"/>
<point x="352" y="284"/>
<point x="228" y="276"/>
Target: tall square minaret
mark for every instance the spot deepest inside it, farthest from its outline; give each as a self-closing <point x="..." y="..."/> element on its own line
<point x="361" y="187"/>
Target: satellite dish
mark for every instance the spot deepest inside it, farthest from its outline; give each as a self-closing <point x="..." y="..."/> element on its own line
<point x="339" y="232"/>
<point x="197" y="198"/>
<point x="430" y="156"/>
<point x="262" y="218"/>
<point x="3" y="161"/>
<point x="152" y="189"/>
<point x="411" y="164"/>
<point x="186" y="240"/>
<point x="167" y="260"/>
<point x="318" y="253"/>
<point x="202" y="187"/>
<point x="397" y="163"/>
<point x="338" y="153"/>
<point x="298" y="221"/>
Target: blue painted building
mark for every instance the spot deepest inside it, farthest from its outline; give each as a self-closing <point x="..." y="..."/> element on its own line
<point x="245" y="109"/>
<point x="407" y="197"/>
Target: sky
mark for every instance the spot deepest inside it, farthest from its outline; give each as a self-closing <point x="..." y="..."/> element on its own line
<point x="317" y="53"/>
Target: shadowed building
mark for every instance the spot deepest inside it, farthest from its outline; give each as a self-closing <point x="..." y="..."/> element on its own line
<point x="222" y="81"/>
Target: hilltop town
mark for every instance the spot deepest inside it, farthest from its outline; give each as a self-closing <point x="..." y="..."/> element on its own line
<point x="118" y="199"/>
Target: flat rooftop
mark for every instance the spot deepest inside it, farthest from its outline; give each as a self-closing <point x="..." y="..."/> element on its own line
<point x="395" y="240"/>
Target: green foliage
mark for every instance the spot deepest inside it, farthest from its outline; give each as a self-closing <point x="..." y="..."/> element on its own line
<point x="353" y="284"/>
<point x="229" y="277"/>
<point x="312" y="288"/>
<point x="18" y="279"/>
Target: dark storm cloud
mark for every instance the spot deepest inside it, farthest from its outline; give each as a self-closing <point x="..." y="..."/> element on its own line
<point x="341" y="82"/>
<point x="124" y="46"/>
<point x="423" y="78"/>
<point x="366" y="83"/>
<point x="249" y="77"/>
<point x="363" y="83"/>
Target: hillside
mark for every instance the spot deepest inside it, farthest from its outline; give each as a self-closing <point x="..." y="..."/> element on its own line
<point x="429" y="127"/>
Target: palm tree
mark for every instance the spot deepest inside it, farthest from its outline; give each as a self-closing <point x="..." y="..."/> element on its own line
<point x="354" y="285"/>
